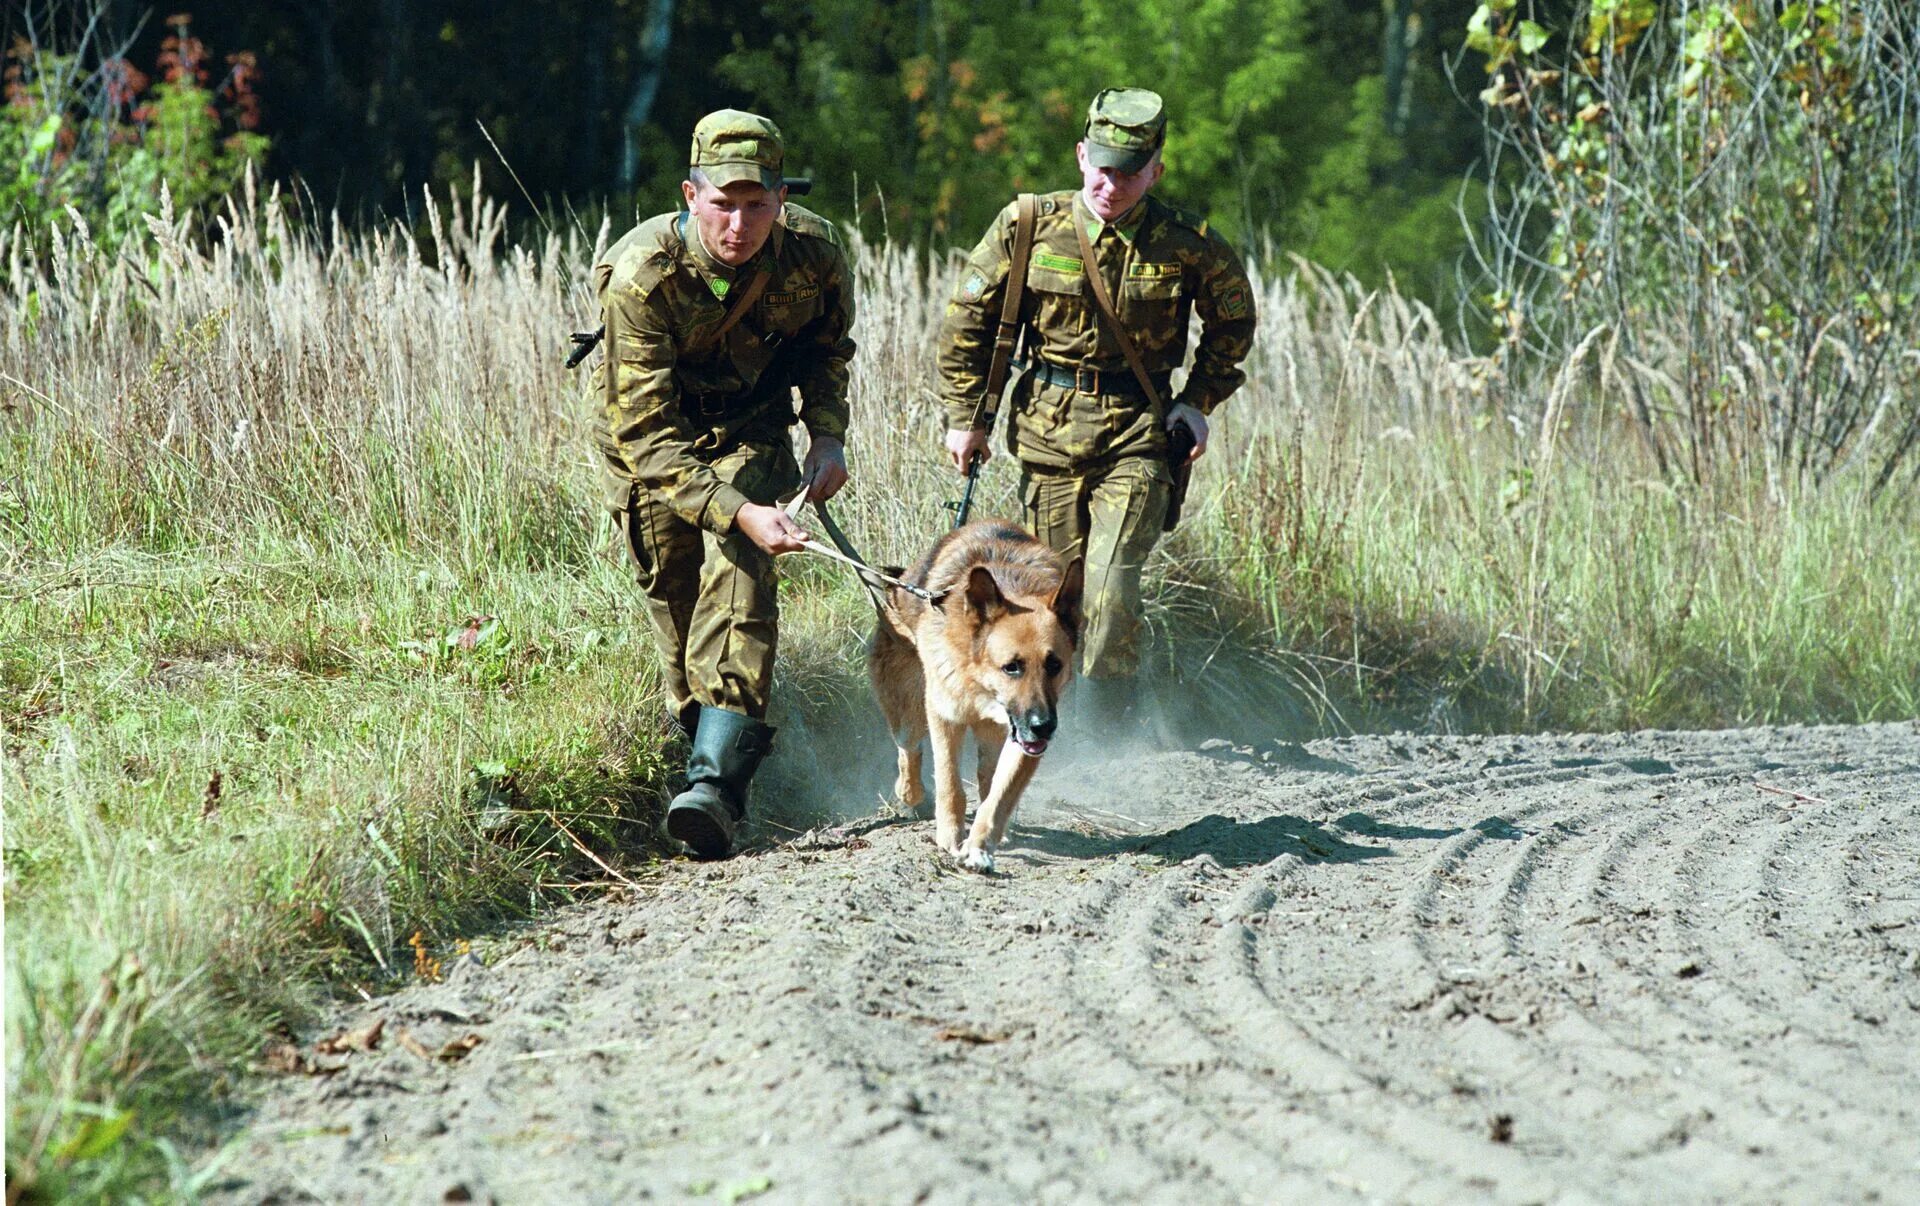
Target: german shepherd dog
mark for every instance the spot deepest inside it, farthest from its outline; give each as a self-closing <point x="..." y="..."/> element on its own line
<point x="990" y="655"/>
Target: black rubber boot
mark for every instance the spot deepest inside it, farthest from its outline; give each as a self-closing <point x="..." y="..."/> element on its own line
<point x="727" y="749"/>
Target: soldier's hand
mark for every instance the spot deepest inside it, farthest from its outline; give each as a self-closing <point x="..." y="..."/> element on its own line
<point x="770" y="528"/>
<point x="1196" y="423"/>
<point x="826" y="468"/>
<point x="967" y="444"/>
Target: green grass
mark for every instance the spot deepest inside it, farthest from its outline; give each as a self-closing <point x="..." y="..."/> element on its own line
<point x="310" y="639"/>
<point x="256" y="772"/>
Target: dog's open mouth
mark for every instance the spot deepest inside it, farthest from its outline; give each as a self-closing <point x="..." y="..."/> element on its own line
<point x="1031" y="747"/>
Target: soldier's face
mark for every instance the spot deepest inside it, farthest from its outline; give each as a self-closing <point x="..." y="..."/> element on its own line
<point x="735" y="220"/>
<point x="1111" y="192"/>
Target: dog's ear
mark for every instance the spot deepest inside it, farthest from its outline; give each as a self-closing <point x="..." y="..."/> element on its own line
<point x="1066" y="599"/>
<point x="983" y="597"/>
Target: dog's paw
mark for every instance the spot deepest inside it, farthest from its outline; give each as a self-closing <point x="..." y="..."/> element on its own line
<point x="974" y="858"/>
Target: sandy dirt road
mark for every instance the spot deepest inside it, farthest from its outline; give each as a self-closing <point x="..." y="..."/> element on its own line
<point x="1618" y="968"/>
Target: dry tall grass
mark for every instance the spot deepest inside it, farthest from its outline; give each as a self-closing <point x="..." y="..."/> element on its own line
<point x="309" y="639"/>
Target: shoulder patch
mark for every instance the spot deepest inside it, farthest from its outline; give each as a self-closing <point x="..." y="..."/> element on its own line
<point x="1233" y="301"/>
<point x="973" y="286"/>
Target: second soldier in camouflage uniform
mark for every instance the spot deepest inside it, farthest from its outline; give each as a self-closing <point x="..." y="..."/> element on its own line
<point x="1091" y="446"/>
<point x="694" y="436"/>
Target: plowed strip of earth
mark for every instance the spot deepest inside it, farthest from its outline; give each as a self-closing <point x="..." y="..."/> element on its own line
<point x="1640" y="967"/>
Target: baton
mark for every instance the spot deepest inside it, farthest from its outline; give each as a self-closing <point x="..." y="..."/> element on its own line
<point x="964" y="507"/>
<point x="584" y="342"/>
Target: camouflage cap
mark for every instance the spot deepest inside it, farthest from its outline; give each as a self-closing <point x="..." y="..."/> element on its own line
<point x="730" y="146"/>
<point x="1125" y="126"/>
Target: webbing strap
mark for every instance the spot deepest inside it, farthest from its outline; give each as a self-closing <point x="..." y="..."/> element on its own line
<point x="744" y="302"/>
<point x="1025" y="217"/>
<point x="1104" y="301"/>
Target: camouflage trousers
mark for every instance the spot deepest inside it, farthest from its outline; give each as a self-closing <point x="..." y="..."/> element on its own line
<point x="1110" y="515"/>
<point x="711" y="599"/>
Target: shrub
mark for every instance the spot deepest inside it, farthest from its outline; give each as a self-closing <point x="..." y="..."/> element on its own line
<point x="94" y="134"/>
<point x="1732" y="190"/>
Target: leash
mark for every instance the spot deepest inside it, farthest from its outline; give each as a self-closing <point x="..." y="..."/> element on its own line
<point x="844" y="552"/>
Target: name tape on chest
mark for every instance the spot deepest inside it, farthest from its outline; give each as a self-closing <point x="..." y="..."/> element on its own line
<point x="788" y="297"/>
<point x="1058" y="263"/>
<point x="1143" y="271"/>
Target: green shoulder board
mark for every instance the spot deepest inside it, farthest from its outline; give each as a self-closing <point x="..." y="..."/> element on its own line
<point x="804" y="221"/>
<point x="646" y="256"/>
<point x="1182" y="217"/>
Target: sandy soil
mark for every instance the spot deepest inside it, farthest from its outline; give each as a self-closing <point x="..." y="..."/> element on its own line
<point x="1384" y="968"/>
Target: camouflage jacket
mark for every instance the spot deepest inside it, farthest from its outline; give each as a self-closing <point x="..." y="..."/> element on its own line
<point x="1160" y="264"/>
<point x="673" y="399"/>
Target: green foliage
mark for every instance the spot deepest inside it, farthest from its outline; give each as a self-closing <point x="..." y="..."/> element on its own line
<point x="1737" y="171"/>
<point x="1282" y="122"/>
<point x="1333" y="128"/>
<point x="105" y="140"/>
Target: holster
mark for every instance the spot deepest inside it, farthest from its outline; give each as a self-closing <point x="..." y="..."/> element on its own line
<point x="1180" y="444"/>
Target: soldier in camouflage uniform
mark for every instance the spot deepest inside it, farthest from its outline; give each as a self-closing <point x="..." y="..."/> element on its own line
<point x="1091" y="445"/>
<point x="694" y="436"/>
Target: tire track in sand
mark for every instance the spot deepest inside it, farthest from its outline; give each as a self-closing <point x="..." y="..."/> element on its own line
<point x="1325" y="977"/>
<point x="1631" y="926"/>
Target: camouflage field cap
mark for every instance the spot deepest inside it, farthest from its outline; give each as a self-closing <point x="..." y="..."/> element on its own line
<point x="1125" y="126"/>
<point x="730" y="146"/>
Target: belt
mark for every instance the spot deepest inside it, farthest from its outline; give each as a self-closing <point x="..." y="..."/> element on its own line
<point x="714" y="406"/>
<point x="710" y="406"/>
<point x="1111" y="383"/>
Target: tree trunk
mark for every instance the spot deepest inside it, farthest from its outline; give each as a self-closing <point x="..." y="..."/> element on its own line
<point x="654" y="40"/>
<point x="1402" y="35"/>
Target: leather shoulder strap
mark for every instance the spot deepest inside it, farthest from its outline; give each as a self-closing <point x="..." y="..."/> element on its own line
<point x="1104" y="301"/>
<point x="1008" y="333"/>
<point x="743" y="302"/>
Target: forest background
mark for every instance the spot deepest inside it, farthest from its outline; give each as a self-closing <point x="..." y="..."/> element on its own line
<point x="1334" y="127"/>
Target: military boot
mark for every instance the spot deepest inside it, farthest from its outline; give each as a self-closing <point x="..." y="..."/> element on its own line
<point x="727" y="749"/>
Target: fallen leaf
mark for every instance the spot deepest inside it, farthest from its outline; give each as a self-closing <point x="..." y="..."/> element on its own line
<point x="283" y="1058"/>
<point x="458" y="1049"/>
<point x="1500" y="1128"/>
<point x="752" y="1187"/>
<point x="210" y="802"/>
<point x="413" y="1045"/>
<point x="967" y="1034"/>
<point x="470" y="635"/>
<point x="366" y="1038"/>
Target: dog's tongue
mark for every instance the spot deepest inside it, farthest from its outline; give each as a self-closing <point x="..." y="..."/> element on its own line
<point x="1032" y="749"/>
